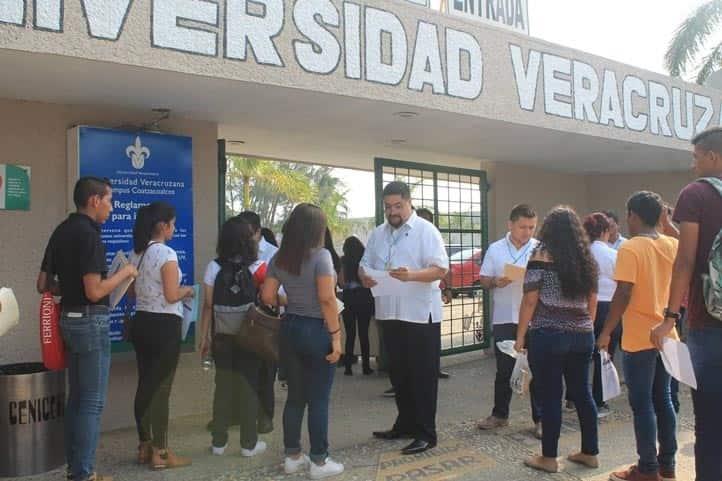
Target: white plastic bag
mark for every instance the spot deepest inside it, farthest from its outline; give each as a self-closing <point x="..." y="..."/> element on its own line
<point x="610" y="378"/>
<point x="507" y="347"/>
<point x="521" y="375"/>
<point x="9" y="312"/>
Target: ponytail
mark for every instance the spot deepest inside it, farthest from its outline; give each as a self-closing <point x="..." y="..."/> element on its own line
<point x="146" y="222"/>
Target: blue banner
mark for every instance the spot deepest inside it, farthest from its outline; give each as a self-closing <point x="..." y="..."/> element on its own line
<point x="143" y="167"/>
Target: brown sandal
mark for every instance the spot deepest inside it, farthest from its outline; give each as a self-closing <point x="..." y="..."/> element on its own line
<point x="145" y="452"/>
<point x="166" y="459"/>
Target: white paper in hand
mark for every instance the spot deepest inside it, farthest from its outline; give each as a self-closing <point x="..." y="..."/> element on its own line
<point x="678" y="362"/>
<point x="9" y="311"/>
<point x="191" y="310"/>
<point x="119" y="261"/>
<point x="610" y="378"/>
<point x="507" y="347"/>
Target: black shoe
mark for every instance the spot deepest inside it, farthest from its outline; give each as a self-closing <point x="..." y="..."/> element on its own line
<point x="264" y="426"/>
<point x="367" y="371"/>
<point x="390" y="393"/>
<point x="391" y="434"/>
<point x="348" y="371"/>
<point x="418" y="446"/>
<point x="444" y="375"/>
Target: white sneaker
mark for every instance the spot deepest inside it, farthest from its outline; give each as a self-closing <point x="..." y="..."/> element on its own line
<point x="291" y="466"/>
<point x="330" y="468"/>
<point x="218" y="451"/>
<point x="258" y="449"/>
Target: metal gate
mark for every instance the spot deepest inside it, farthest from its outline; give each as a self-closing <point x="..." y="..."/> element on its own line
<point x="457" y="197"/>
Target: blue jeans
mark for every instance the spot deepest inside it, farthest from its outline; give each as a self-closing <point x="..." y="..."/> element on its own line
<point x="305" y="343"/>
<point x="705" y="346"/>
<point x="554" y="356"/>
<point x="654" y="417"/>
<point x="87" y="346"/>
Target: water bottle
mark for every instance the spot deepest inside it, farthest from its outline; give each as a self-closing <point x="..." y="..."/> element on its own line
<point x="207" y="363"/>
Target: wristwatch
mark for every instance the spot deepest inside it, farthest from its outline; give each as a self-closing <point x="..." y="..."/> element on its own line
<point x="671" y="315"/>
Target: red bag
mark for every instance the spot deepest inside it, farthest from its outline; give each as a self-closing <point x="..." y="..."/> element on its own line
<point x="51" y="340"/>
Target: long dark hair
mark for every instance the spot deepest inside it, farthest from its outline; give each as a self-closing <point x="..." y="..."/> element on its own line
<point x="303" y="231"/>
<point x="353" y="251"/>
<point x="328" y="245"/>
<point x="564" y="239"/>
<point x="146" y="222"/>
<point x="236" y="241"/>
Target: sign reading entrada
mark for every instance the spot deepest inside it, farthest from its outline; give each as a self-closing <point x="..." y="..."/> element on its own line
<point x="372" y="44"/>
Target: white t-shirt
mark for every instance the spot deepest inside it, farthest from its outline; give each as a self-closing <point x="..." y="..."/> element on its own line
<point x="149" y="295"/>
<point x="416" y="245"/>
<point x="506" y="301"/>
<point x="606" y="258"/>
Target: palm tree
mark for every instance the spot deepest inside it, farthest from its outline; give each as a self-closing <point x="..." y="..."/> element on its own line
<point x="689" y="40"/>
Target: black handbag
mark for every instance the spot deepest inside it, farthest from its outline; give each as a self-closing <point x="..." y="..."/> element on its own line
<point x="260" y="331"/>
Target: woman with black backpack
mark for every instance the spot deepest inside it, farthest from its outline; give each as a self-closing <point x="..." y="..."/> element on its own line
<point x="230" y="287"/>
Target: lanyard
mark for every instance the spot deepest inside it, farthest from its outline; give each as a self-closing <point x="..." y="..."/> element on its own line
<point x="520" y="256"/>
<point x="392" y="244"/>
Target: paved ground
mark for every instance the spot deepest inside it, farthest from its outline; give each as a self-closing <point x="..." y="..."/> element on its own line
<point x="464" y="453"/>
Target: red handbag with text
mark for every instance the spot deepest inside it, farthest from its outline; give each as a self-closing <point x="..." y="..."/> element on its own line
<point x="51" y="340"/>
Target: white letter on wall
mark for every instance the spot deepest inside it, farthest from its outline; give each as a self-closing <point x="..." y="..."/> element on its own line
<point x="379" y="22"/>
<point x="352" y="39"/>
<point x="105" y="17"/>
<point x="323" y="53"/>
<point x="555" y="86"/>
<point x="465" y="88"/>
<point x="610" y="108"/>
<point x="48" y="15"/>
<point x="634" y="85"/>
<point x="244" y="29"/>
<point x="703" y="102"/>
<point x="659" y="109"/>
<point x="13" y="11"/>
<point x="683" y="132"/>
<point x="585" y="96"/>
<point x="526" y="78"/>
<point x="426" y="63"/>
<point x="168" y="34"/>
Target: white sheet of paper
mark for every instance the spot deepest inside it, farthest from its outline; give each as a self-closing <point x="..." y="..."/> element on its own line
<point x="119" y="261"/>
<point x="9" y="311"/>
<point x="340" y="306"/>
<point x="191" y="309"/>
<point x="678" y="362"/>
<point x="388" y="286"/>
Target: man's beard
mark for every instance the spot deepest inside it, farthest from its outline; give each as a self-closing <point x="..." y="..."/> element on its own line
<point x="395" y="220"/>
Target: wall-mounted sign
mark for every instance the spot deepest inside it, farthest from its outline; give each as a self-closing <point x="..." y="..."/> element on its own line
<point x="511" y="14"/>
<point x="14" y="187"/>
<point x="143" y="167"/>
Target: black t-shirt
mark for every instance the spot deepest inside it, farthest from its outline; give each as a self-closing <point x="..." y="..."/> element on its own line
<point x="74" y="250"/>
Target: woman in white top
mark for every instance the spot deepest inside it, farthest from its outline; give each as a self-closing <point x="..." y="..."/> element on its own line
<point x="598" y="228"/>
<point x="156" y="330"/>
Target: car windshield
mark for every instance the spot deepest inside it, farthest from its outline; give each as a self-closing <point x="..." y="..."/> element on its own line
<point x="464" y="255"/>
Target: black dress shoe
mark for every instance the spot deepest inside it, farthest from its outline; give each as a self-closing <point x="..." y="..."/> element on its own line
<point x="390" y="434"/>
<point x="444" y="375"/>
<point x="418" y="446"/>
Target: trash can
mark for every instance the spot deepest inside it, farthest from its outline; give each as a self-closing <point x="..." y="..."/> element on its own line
<point x="32" y="408"/>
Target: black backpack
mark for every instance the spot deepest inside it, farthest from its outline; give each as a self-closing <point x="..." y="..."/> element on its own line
<point x="233" y="293"/>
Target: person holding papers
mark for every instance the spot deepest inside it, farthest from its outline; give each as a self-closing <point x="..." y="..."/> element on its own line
<point x="502" y="273"/>
<point x="406" y="256"/>
<point x="156" y="332"/>
<point x="75" y="255"/>
<point x="643" y="274"/>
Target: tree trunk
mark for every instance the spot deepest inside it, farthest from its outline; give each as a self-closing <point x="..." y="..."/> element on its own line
<point x="246" y="192"/>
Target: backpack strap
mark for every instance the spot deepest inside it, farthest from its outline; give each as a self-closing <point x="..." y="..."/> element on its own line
<point x="715" y="182"/>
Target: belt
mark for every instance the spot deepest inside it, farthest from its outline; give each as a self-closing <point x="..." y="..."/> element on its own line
<point x="86" y="310"/>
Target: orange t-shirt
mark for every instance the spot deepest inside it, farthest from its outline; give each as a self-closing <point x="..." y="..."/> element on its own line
<point x="647" y="263"/>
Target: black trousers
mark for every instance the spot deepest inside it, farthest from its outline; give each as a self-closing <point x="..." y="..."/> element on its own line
<point x="504" y="369"/>
<point x="237" y="373"/>
<point x="413" y="355"/>
<point x="157" y="339"/>
<point x="359" y="307"/>
<point x="267" y="396"/>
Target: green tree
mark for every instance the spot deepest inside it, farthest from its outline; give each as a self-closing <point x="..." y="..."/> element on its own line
<point x="690" y="40"/>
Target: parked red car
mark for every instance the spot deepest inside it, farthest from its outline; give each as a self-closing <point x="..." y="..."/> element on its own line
<point x="464" y="268"/>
